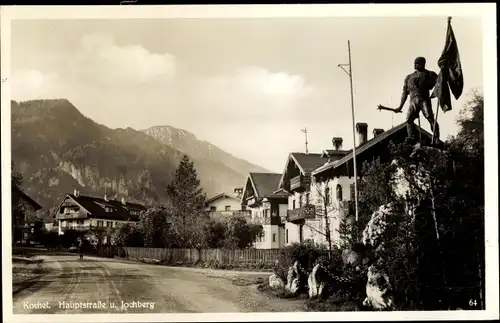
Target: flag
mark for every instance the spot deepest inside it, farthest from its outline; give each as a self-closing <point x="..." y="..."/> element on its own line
<point x="450" y="75"/>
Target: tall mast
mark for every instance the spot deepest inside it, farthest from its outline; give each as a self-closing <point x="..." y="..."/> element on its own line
<point x="305" y="132"/>
<point x="349" y="73"/>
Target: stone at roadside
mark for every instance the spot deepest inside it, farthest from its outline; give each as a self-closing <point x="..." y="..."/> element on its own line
<point x="275" y="282"/>
<point x="378" y="290"/>
<point x="293" y="287"/>
<point x="293" y="279"/>
<point x="316" y="282"/>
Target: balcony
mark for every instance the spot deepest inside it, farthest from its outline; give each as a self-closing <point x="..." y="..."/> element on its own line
<point x="71" y="214"/>
<point x="79" y="227"/>
<point x="246" y="213"/>
<point x="273" y="220"/>
<point x="307" y="211"/>
<point x="299" y="183"/>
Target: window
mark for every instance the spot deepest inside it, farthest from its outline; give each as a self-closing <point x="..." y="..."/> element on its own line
<point x="307" y="198"/>
<point x="286" y="236"/>
<point x="300" y="201"/>
<point x="274" y="237"/>
<point x="339" y="192"/>
<point x="327" y="195"/>
<point x="213" y="208"/>
<point x="116" y="223"/>
<point x="109" y="224"/>
<point x="100" y="223"/>
<point x="352" y="192"/>
<point x="293" y="205"/>
<point x="228" y="207"/>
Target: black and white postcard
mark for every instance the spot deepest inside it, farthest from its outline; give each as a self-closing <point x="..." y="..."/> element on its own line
<point x="247" y="163"/>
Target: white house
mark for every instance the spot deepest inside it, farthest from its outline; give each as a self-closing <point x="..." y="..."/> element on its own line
<point x="81" y="213"/>
<point x="267" y="205"/>
<point x="302" y="220"/>
<point x="224" y="205"/>
<point x="333" y="182"/>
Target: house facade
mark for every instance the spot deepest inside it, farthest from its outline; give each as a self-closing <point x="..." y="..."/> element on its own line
<point x="334" y="181"/>
<point x="82" y="213"/>
<point x="224" y="205"/>
<point x="267" y="205"/>
<point x="26" y="222"/>
<point x="304" y="219"/>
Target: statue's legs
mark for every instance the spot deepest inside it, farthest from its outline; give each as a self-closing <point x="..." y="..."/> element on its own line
<point x="429" y="115"/>
<point x="413" y="111"/>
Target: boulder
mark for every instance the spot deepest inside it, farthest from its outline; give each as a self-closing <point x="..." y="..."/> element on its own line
<point x="378" y="290"/>
<point x="316" y="282"/>
<point x="276" y="282"/>
<point x="293" y="278"/>
<point x="293" y="286"/>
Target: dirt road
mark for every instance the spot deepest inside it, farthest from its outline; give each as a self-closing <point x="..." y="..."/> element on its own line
<point x="101" y="285"/>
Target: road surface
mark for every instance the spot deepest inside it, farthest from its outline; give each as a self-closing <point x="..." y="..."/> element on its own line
<point x="102" y="285"/>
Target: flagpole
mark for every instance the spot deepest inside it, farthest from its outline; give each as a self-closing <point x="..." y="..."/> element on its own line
<point x="437" y="107"/>
<point x="349" y="73"/>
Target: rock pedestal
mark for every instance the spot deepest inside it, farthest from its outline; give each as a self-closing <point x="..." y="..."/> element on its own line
<point x="316" y="282"/>
<point x="378" y="290"/>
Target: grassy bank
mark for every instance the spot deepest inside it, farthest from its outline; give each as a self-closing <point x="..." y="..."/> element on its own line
<point x="25" y="274"/>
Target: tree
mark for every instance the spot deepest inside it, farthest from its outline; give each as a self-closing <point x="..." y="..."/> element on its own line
<point x="128" y="235"/>
<point x="185" y="193"/>
<point x="155" y="227"/>
<point x="240" y="234"/>
<point x="214" y="233"/>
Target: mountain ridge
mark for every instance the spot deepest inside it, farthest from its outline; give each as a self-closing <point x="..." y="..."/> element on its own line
<point x="58" y="149"/>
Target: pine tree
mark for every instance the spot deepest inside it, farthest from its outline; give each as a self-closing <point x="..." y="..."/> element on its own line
<point x="185" y="193"/>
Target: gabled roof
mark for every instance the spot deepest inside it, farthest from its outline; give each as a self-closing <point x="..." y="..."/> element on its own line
<point x="264" y="183"/>
<point x="26" y="198"/>
<point x="221" y="195"/>
<point x="305" y="162"/>
<point x="367" y="145"/>
<point x="94" y="205"/>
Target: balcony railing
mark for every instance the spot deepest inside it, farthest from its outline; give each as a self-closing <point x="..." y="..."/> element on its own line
<point x="243" y="213"/>
<point x="299" y="183"/>
<point x="273" y="220"/>
<point x="307" y="211"/>
<point x="79" y="227"/>
<point x="70" y="215"/>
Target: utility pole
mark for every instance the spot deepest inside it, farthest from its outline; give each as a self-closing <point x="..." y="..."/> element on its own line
<point x="305" y="132"/>
<point x="349" y="73"/>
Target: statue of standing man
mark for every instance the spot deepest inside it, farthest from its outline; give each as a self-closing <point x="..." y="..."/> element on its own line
<point x="418" y="85"/>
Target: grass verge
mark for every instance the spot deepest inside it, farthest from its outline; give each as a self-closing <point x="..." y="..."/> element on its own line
<point x="26" y="275"/>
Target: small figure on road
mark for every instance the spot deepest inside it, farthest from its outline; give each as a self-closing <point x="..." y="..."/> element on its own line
<point x="80" y="249"/>
<point x="417" y="85"/>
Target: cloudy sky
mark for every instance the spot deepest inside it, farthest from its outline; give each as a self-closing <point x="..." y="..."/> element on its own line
<point x="246" y="85"/>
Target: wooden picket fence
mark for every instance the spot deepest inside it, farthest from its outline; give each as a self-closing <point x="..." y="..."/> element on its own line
<point x="222" y="256"/>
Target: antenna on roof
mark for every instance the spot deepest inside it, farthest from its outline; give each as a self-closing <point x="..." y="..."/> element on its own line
<point x="305" y="132"/>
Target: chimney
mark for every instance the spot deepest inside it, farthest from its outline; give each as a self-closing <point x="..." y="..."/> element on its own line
<point x="362" y="129"/>
<point x="337" y="143"/>
<point x="75" y="192"/>
<point x="123" y="201"/>
<point x="377" y="131"/>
